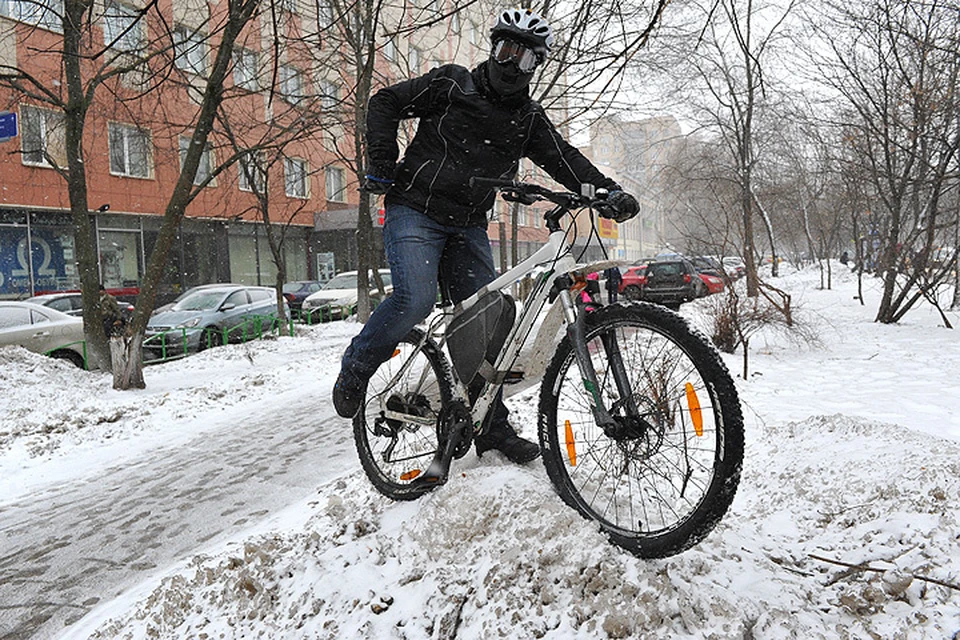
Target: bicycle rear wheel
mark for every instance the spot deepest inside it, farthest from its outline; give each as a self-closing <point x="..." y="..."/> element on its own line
<point x="397" y="431"/>
<point x="661" y="482"/>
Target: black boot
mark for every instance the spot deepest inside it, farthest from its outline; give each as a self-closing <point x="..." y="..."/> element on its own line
<point x="504" y="439"/>
<point x="348" y="393"/>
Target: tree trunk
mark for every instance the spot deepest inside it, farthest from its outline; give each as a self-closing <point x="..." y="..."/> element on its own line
<point x="503" y="246"/>
<point x="127" y="361"/>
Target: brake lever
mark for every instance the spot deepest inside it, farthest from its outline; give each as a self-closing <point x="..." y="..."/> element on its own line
<point x="514" y="196"/>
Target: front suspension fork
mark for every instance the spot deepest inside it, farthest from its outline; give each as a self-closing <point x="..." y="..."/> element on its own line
<point x="576" y="330"/>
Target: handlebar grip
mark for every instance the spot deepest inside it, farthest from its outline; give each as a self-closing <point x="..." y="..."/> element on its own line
<point x="477" y="181"/>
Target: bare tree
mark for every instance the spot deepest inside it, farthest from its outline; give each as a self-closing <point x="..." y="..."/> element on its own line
<point x="896" y="64"/>
<point x="88" y="69"/>
<point x="723" y="78"/>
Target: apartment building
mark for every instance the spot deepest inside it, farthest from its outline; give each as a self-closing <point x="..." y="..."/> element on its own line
<point x="289" y="67"/>
<point x="636" y="154"/>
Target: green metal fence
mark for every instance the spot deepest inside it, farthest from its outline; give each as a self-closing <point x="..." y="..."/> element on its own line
<point x="175" y="343"/>
<point x="64" y="347"/>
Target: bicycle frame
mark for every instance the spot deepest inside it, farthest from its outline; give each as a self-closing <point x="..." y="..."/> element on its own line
<point x="555" y="254"/>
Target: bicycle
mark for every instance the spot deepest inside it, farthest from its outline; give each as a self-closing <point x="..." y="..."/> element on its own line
<point x="640" y="426"/>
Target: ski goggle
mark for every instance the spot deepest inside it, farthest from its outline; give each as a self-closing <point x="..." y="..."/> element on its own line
<point x="506" y="50"/>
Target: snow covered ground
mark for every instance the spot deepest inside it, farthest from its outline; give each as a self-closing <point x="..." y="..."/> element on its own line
<point x="846" y="524"/>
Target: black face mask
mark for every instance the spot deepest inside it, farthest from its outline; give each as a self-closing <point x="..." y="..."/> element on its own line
<point x="506" y="78"/>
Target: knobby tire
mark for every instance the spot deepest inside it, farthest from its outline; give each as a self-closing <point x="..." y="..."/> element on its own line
<point x="393" y="452"/>
<point x="662" y="487"/>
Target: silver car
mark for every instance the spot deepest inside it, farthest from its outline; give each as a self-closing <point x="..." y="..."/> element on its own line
<point x="42" y="330"/>
<point x="211" y="316"/>
<point x="338" y="297"/>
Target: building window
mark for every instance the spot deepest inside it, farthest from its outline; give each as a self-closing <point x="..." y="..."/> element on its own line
<point x="324" y="13"/>
<point x="252" y="166"/>
<point x="290" y="6"/>
<point x="205" y="168"/>
<point x="43" y="13"/>
<point x="129" y="151"/>
<point x="329" y="95"/>
<point x="415" y="60"/>
<point x="455" y="23"/>
<point x="123" y="28"/>
<point x="336" y="184"/>
<point x="42" y="136"/>
<point x="291" y="84"/>
<point x="190" y="50"/>
<point x="295" y="177"/>
<point x="390" y="50"/>
<point x="245" y="68"/>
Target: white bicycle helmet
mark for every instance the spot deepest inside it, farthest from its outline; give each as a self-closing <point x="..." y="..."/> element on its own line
<point x="525" y="26"/>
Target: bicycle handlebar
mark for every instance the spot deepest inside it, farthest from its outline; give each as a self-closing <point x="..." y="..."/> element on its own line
<point x="524" y="191"/>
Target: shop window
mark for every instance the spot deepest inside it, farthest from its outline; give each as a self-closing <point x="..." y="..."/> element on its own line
<point x="121" y="261"/>
<point x="190" y="50"/>
<point x="129" y="151"/>
<point x="42" y="136"/>
<point x="295" y="177"/>
<point x="122" y="28"/>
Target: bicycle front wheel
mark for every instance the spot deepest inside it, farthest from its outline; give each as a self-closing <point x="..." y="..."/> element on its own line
<point x="398" y="431"/>
<point x="660" y="481"/>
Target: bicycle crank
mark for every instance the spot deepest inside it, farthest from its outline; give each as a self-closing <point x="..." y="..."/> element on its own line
<point x="455" y="436"/>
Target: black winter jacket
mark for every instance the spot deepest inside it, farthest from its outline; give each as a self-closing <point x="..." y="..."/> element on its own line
<point x="465" y="130"/>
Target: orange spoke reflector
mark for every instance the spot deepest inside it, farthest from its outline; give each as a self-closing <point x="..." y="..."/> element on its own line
<point x="571" y="447"/>
<point x="410" y="475"/>
<point x="695" y="413"/>
<point x="396" y="352"/>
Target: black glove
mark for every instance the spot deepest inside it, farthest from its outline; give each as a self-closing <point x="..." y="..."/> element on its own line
<point x="373" y="184"/>
<point x="620" y="206"/>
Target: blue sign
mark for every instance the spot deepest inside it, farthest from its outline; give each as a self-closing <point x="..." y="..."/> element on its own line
<point x="8" y="125"/>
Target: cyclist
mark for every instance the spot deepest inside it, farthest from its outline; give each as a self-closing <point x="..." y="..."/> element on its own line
<point x="472" y="123"/>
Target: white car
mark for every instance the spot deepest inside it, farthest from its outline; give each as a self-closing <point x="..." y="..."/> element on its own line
<point x="734" y="266"/>
<point x="42" y="330"/>
<point x="338" y="297"/>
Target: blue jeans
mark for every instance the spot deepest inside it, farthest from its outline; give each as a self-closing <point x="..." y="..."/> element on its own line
<point x="420" y="251"/>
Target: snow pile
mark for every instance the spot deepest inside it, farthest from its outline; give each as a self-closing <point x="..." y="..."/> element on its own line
<point x="49" y="403"/>
<point x="495" y="553"/>
<point x="845" y="524"/>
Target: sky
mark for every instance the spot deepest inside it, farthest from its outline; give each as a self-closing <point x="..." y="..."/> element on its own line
<point x="852" y="459"/>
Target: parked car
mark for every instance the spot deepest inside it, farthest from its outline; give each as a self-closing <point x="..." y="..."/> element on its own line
<point x="42" y="330"/>
<point x="297" y="292"/>
<point x="707" y="264"/>
<point x="338" y="297"/>
<point x="633" y="280"/>
<point x="71" y="303"/>
<point x="169" y="305"/>
<point x="208" y="316"/>
<point x="734" y="266"/>
<point x="669" y="282"/>
<point x="713" y="283"/>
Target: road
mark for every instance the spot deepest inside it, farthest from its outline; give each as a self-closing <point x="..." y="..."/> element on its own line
<point x="71" y="546"/>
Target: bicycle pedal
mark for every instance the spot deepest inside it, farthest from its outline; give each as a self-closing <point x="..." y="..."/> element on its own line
<point x="513" y="377"/>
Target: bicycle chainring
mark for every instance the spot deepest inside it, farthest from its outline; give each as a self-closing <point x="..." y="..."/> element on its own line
<point x="453" y="415"/>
